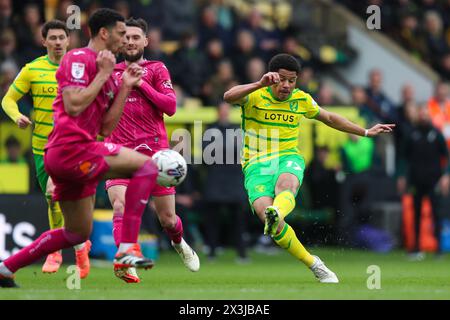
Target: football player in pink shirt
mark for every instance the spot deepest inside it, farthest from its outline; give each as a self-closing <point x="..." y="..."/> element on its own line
<point x="90" y="101"/>
<point x="141" y="128"/>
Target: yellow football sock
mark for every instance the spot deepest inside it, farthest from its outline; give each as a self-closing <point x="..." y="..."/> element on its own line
<point x="287" y="240"/>
<point x="55" y="216"/>
<point x="285" y="202"/>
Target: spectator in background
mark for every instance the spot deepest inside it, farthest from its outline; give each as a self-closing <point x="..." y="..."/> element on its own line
<point x="209" y="29"/>
<point x="30" y="25"/>
<point x="34" y="49"/>
<point x="359" y="100"/>
<point x="410" y="36"/>
<point x="243" y="52"/>
<point x="188" y="65"/>
<point x="292" y="46"/>
<point x="439" y="108"/>
<point x="223" y="187"/>
<point x="153" y="51"/>
<point x="255" y="69"/>
<point x="407" y="98"/>
<point x="123" y="8"/>
<point x="307" y="82"/>
<point x="422" y="155"/>
<point x="377" y="100"/>
<point x="61" y="11"/>
<point x="325" y="96"/>
<point x="321" y="180"/>
<point x="444" y="66"/>
<point x="213" y="89"/>
<point x="8" y="46"/>
<point x="267" y="42"/>
<point x="13" y="153"/>
<point x="6" y="14"/>
<point x="214" y="55"/>
<point x="178" y="16"/>
<point x="434" y="38"/>
<point x="357" y="156"/>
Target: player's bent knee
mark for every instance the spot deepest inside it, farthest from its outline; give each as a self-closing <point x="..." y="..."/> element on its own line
<point x="168" y="219"/>
<point x="118" y="207"/>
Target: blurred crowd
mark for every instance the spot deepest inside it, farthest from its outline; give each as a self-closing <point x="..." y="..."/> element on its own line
<point x="422" y="27"/>
<point x="212" y="45"/>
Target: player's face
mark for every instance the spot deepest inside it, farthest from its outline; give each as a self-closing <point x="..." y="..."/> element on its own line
<point x="136" y="41"/>
<point x="56" y="42"/>
<point x="284" y="88"/>
<point x="116" y="37"/>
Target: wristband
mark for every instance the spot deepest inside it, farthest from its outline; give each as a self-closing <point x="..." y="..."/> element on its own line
<point x="366" y="133"/>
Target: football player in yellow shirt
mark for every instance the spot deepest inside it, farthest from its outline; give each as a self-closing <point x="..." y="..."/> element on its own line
<point x="271" y="162"/>
<point x="38" y="79"/>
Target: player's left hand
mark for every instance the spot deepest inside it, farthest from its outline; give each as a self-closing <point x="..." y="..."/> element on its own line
<point x="132" y="75"/>
<point x="380" y="128"/>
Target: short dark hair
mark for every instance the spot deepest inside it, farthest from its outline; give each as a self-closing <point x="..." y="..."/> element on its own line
<point x="140" y="23"/>
<point x="103" y="18"/>
<point x="53" y="24"/>
<point x="284" y="61"/>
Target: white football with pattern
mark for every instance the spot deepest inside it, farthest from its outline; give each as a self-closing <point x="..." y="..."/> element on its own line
<point x="171" y="166"/>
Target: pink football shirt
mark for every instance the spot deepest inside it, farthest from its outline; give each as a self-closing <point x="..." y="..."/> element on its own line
<point x="142" y="121"/>
<point x="78" y="68"/>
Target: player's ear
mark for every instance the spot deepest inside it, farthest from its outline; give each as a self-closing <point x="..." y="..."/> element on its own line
<point x="145" y="41"/>
<point x="104" y="33"/>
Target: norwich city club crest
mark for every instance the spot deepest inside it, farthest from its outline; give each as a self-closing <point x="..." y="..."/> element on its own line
<point x="293" y="105"/>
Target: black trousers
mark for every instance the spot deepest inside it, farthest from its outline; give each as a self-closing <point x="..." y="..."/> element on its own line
<point x="212" y="217"/>
<point x="422" y="191"/>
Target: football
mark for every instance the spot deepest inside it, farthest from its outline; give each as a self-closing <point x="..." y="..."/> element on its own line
<point x="171" y="166"/>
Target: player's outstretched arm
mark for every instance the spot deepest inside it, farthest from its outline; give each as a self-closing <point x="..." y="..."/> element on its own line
<point x="237" y="94"/>
<point x="76" y="100"/>
<point x="130" y="78"/>
<point x="340" y="123"/>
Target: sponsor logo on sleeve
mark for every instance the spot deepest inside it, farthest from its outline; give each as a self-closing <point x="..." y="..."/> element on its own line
<point x="78" y="70"/>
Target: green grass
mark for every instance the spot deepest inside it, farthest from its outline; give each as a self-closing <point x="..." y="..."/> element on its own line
<point x="276" y="276"/>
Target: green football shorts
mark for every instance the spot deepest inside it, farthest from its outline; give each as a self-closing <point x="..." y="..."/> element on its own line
<point x="41" y="174"/>
<point x="261" y="178"/>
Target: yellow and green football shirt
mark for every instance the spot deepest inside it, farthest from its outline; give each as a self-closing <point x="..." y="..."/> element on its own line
<point x="37" y="78"/>
<point x="270" y="126"/>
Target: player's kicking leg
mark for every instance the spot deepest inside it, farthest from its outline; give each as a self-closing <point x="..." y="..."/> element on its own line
<point x="56" y="220"/>
<point x="78" y="223"/>
<point x="273" y="211"/>
<point x="143" y="174"/>
<point x="173" y="226"/>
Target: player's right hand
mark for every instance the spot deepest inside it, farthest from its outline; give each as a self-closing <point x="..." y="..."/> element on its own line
<point x="23" y="122"/>
<point x="269" y="79"/>
<point x="106" y="61"/>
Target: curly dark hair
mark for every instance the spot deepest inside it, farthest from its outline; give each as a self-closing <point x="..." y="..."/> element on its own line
<point x="284" y="61"/>
<point x="103" y="18"/>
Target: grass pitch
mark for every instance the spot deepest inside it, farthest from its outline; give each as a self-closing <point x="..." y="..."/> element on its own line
<point x="273" y="277"/>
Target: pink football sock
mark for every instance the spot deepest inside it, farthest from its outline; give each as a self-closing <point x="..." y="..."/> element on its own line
<point x="136" y="197"/>
<point x="49" y="242"/>
<point x="117" y="227"/>
<point x="176" y="233"/>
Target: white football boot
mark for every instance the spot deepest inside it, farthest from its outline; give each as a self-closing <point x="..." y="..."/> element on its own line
<point x="322" y="273"/>
<point x="188" y="255"/>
